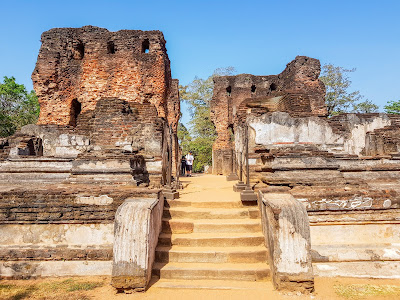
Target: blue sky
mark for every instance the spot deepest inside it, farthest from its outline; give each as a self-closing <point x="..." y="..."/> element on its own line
<point x="257" y="37"/>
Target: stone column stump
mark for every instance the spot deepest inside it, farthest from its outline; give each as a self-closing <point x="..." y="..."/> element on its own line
<point x="287" y="231"/>
<point x="136" y="231"/>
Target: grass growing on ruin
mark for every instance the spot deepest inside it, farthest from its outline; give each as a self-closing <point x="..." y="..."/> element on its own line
<point x="49" y="289"/>
<point x="357" y="291"/>
<point x="70" y="285"/>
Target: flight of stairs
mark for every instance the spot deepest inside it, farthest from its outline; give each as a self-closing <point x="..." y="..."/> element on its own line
<point x="211" y="240"/>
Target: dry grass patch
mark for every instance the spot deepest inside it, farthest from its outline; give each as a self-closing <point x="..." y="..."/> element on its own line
<point x="359" y="291"/>
<point x="72" y="288"/>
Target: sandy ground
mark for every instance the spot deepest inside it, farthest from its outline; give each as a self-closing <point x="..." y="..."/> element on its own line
<point x="324" y="289"/>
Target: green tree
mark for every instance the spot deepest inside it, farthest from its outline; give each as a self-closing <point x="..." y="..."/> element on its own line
<point x="198" y="95"/>
<point x="184" y="138"/>
<point x="18" y="107"/>
<point x="392" y="107"/>
<point x="338" y="98"/>
<point x="365" y="107"/>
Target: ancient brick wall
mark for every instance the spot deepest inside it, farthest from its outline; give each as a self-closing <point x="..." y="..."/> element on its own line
<point x="297" y="90"/>
<point x="116" y="121"/>
<point x="78" y="66"/>
<point x="61" y="204"/>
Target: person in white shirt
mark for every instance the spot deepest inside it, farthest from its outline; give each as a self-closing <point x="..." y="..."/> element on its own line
<point x="189" y="163"/>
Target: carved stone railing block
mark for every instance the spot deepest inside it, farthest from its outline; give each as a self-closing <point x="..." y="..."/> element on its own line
<point x="287" y="231"/>
<point x="136" y="231"/>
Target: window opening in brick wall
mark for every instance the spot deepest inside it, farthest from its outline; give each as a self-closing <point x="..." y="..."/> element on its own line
<point x="272" y="87"/>
<point x="79" y="51"/>
<point x="229" y="91"/>
<point x="146" y="46"/>
<point x="126" y="109"/>
<point x="231" y="133"/>
<point x="76" y="108"/>
<point x="253" y="88"/>
<point x="110" y="47"/>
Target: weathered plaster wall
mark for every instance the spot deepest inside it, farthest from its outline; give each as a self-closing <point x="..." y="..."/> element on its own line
<point x="53" y="235"/>
<point x="356" y="244"/>
<point x="27" y="269"/>
<point x="281" y="128"/>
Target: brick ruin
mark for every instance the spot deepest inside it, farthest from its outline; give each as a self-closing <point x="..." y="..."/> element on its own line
<point x="344" y="169"/>
<point x="89" y="176"/>
<point x="109" y="111"/>
<point x="296" y="90"/>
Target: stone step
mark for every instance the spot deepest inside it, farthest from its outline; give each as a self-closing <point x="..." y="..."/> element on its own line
<point x="211" y="239"/>
<point x="213" y="285"/>
<point x="211" y="225"/>
<point x="204" y="203"/>
<point x="256" y="254"/>
<point x="201" y="271"/>
<point x="205" y="213"/>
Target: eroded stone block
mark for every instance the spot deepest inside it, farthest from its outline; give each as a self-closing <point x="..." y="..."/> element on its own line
<point x="136" y="230"/>
<point x="287" y="232"/>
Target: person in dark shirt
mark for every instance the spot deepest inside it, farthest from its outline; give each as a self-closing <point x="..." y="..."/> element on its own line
<point x="183" y="165"/>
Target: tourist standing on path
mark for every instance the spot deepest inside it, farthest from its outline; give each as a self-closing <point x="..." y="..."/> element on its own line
<point x="183" y="165"/>
<point x="189" y="163"/>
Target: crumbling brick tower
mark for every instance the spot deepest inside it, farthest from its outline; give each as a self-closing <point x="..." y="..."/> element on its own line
<point x="297" y="90"/>
<point x="108" y="85"/>
<point x="78" y="66"/>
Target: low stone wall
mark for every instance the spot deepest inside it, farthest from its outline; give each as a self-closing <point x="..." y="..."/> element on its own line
<point x="60" y="230"/>
<point x="287" y="232"/>
<point x="357" y="243"/>
<point x="350" y="239"/>
<point x="35" y="250"/>
<point x="137" y="227"/>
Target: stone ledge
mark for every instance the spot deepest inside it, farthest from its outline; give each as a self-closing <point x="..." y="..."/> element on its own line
<point x="55" y="254"/>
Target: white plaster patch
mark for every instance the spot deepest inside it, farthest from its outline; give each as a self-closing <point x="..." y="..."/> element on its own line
<point x="390" y="253"/>
<point x="99" y="200"/>
<point x="66" y="152"/>
<point x="357" y="141"/>
<point x="128" y="148"/>
<point x="63" y="140"/>
<point x="387" y="203"/>
<point x="252" y="161"/>
<point x="325" y="267"/>
<point x="154" y="166"/>
<point x="362" y="269"/>
<point x="293" y="259"/>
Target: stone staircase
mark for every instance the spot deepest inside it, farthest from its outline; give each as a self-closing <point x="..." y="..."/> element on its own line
<point x="205" y="240"/>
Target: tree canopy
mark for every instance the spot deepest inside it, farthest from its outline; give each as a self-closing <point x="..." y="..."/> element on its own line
<point x="201" y="134"/>
<point x="18" y="107"/>
<point x="392" y="107"/>
<point x="338" y="98"/>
